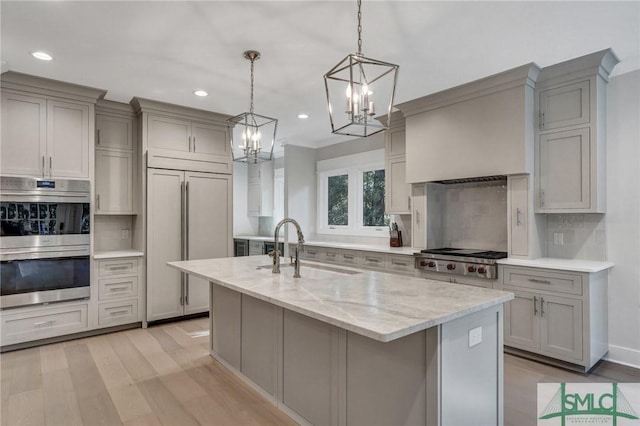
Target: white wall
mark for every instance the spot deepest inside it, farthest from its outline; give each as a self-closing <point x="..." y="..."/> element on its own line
<point x="623" y="217"/>
<point x="242" y="223"/>
<point x="300" y="189"/>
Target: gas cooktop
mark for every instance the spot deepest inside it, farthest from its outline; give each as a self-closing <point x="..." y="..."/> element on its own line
<point x="480" y="254"/>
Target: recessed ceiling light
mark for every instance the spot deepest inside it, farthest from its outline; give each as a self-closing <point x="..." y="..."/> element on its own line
<point x="303" y="116"/>
<point x="43" y="56"/>
<point x="200" y="93"/>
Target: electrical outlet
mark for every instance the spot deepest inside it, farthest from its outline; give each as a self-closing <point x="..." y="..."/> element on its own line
<point x="125" y="235"/>
<point x="475" y="336"/>
<point x="558" y="238"/>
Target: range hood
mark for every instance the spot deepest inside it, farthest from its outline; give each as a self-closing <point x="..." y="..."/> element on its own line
<point x="482" y="128"/>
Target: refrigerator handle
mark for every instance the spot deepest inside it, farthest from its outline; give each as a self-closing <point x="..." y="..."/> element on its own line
<point x="182" y="219"/>
<point x="186" y="222"/>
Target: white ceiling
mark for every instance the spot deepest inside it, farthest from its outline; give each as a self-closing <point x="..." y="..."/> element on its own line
<point x="165" y="50"/>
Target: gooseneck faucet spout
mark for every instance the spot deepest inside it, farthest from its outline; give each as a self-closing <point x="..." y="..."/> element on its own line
<point x="276" y="253"/>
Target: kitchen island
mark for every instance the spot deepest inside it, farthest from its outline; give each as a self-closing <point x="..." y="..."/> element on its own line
<point x="345" y="346"/>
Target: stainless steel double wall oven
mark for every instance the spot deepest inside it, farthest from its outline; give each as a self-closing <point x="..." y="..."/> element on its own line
<point x="44" y="241"/>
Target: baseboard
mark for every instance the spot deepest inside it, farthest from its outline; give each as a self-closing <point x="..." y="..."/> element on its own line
<point x="624" y="356"/>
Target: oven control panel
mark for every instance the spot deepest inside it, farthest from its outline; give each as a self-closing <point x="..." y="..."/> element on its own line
<point x="457" y="268"/>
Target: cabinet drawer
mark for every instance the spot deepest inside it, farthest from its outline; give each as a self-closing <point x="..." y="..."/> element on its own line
<point x="333" y="255"/>
<point x="560" y="282"/>
<point x="41" y="324"/>
<point x="117" y="267"/>
<point x="256" y="248"/>
<point x="373" y="260"/>
<point x="310" y="253"/>
<point x="116" y="288"/>
<point x="349" y="257"/>
<point x="121" y="312"/>
<point x="400" y="263"/>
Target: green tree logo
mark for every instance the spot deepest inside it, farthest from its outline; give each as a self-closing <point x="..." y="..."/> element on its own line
<point x="588" y="404"/>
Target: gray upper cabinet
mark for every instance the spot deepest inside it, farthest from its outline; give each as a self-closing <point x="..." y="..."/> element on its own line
<point x="566" y="105"/>
<point x="188" y="136"/>
<point x="115" y="171"/>
<point x="570" y="135"/>
<point x="169" y="133"/>
<point x="114" y="132"/>
<point x="397" y="190"/>
<point x="47" y="127"/>
<point x="176" y="137"/>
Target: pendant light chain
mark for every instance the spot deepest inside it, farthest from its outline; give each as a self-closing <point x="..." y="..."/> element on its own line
<point x="359" y="28"/>
<point x="251" y="105"/>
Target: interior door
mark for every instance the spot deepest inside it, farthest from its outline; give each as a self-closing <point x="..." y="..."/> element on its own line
<point x="164" y="243"/>
<point x="209" y="235"/>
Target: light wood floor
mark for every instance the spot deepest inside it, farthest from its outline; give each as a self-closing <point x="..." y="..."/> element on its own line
<point x="164" y="376"/>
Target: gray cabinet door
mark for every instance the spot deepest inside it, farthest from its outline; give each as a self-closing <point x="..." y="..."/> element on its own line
<point x="164" y="243"/>
<point x="114" y="132"/>
<point x="24" y="135"/>
<point x="208" y="197"/>
<point x="564" y="170"/>
<point x="168" y="133"/>
<point x="209" y="139"/>
<point x="114" y="181"/>
<point x="564" y="106"/>
<point x="561" y="327"/>
<point x="521" y="327"/>
<point x="67" y="140"/>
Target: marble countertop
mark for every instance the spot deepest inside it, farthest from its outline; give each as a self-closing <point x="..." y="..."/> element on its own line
<point x="408" y="251"/>
<point x="365" y="247"/>
<point x="560" y="264"/>
<point x="254" y="238"/>
<point x="377" y="305"/>
<point x="114" y="254"/>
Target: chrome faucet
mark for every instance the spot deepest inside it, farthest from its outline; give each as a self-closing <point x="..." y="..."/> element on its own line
<point x="276" y="253"/>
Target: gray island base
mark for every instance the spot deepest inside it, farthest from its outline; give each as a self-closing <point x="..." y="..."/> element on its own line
<point x="343" y="346"/>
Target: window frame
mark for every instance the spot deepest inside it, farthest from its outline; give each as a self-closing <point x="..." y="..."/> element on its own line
<point x="364" y="162"/>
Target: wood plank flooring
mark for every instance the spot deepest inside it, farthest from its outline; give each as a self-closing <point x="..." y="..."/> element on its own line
<point x="164" y="376"/>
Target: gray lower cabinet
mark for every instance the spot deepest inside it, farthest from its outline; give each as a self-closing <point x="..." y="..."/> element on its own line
<point x="259" y="338"/>
<point x="225" y="324"/>
<point x="309" y="350"/>
<point x="557" y="314"/>
<point x="325" y="375"/>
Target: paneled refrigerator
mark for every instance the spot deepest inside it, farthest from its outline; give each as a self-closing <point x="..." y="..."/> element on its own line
<point x="188" y="217"/>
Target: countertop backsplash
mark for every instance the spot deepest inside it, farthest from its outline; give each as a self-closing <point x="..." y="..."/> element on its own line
<point x="584" y="236"/>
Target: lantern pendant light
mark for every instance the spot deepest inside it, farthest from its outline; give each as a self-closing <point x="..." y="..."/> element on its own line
<point x="252" y="135"/>
<point x="358" y="86"/>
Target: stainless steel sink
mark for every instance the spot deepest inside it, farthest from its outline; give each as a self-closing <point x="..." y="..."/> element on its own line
<point x="307" y="265"/>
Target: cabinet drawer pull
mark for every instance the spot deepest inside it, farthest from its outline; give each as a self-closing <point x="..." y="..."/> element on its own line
<point x="312" y="252"/>
<point x="518" y="221"/>
<point x="539" y="281"/>
<point x="43" y="166"/>
<point x="331" y="255"/>
<point x="541" y="306"/>
<point x="114" y="313"/>
<point x="98" y="136"/>
<point x="48" y="323"/>
<point x="97" y="201"/>
<point x="535" y="306"/>
<point x="118" y="268"/>
<point x="370" y="259"/>
<point x="396" y="262"/>
<point x="347" y="256"/>
<point x="118" y="289"/>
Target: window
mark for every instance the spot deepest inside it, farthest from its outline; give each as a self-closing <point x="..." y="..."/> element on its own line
<point x="338" y="200"/>
<point x="351" y="195"/>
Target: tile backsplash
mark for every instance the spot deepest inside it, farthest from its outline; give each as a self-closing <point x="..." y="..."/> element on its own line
<point x="110" y="230"/>
<point x="577" y="236"/>
<point x="473" y="215"/>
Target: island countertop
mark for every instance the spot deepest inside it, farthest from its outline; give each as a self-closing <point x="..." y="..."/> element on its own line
<point x="377" y="305"/>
